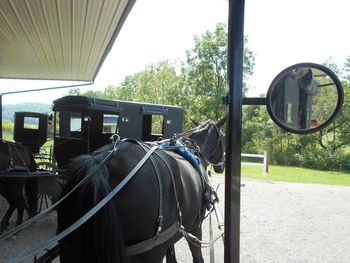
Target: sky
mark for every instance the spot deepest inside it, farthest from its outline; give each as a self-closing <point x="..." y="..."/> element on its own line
<point x="280" y="33"/>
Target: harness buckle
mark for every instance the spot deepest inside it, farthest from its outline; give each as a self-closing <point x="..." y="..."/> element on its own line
<point x="115" y="138"/>
<point x="160" y="223"/>
<point x="182" y="230"/>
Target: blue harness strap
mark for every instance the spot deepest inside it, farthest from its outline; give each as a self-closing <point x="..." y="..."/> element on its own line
<point x="180" y="148"/>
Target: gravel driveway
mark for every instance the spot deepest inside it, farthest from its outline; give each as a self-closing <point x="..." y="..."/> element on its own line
<point x="280" y="222"/>
<point x="287" y="223"/>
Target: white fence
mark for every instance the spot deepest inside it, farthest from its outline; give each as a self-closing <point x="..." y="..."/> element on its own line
<point x="264" y="164"/>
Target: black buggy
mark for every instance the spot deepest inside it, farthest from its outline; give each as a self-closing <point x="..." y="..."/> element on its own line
<point x="83" y="124"/>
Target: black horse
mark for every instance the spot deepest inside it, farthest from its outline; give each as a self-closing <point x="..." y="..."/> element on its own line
<point x="14" y="158"/>
<point x="163" y="201"/>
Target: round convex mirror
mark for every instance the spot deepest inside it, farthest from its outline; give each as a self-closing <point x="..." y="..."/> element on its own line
<point x="305" y="98"/>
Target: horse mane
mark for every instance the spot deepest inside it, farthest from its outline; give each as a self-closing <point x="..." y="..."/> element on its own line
<point x="106" y="221"/>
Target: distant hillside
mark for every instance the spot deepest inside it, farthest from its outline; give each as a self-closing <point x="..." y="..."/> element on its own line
<point x="8" y="110"/>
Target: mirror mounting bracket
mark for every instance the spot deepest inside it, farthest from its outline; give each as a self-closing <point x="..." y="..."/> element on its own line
<point x="254" y="101"/>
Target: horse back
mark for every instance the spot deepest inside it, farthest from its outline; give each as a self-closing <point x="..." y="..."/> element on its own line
<point x="138" y="203"/>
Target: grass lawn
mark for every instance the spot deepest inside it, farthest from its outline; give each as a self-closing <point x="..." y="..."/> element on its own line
<point x="296" y="174"/>
<point x="7" y="130"/>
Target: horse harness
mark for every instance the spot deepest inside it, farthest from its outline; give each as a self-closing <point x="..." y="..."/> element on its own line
<point x="160" y="236"/>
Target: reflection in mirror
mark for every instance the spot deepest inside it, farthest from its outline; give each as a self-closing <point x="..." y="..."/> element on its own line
<point x="304" y="98"/>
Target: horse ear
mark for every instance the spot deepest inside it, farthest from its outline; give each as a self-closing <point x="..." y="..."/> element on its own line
<point x="221" y="122"/>
<point x="196" y="123"/>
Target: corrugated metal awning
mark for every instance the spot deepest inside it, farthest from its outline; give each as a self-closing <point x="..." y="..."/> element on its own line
<point x="58" y="39"/>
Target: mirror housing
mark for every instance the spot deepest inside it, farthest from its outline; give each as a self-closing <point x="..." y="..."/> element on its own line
<point x="304" y="98"/>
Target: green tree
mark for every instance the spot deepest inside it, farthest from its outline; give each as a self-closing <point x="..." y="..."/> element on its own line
<point x="158" y="83"/>
<point x="206" y="73"/>
<point x="337" y="135"/>
<point x="88" y="93"/>
<point x="346" y="72"/>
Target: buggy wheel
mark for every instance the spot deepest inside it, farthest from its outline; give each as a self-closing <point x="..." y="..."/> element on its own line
<point x="49" y="187"/>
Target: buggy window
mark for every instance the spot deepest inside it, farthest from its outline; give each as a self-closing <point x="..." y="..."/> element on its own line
<point x="31" y="123"/>
<point x="153" y="127"/>
<point x="110" y="123"/>
<point x="157" y="124"/>
<point x="68" y="124"/>
<point x="75" y="122"/>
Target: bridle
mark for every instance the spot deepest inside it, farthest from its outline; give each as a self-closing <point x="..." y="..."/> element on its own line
<point x="220" y="142"/>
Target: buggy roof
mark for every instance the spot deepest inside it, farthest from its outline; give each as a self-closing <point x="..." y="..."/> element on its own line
<point x="58" y="40"/>
<point x="83" y="103"/>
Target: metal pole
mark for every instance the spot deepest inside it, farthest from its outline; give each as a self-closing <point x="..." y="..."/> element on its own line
<point x="211" y="247"/>
<point x="234" y="129"/>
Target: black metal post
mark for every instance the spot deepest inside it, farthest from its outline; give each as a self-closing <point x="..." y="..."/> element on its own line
<point x="234" y="129"/>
